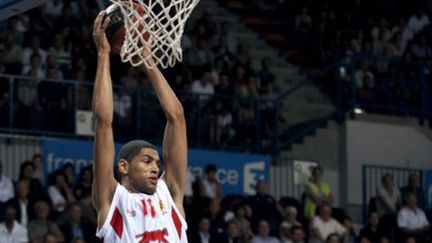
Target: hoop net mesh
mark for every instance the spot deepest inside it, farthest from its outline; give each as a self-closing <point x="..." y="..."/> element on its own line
<point x="158" y="27"/>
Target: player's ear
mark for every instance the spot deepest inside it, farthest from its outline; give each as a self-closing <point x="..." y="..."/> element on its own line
<point x="123" y="167"/>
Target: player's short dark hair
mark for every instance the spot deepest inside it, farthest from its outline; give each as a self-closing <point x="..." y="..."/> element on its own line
<point x="132" y="149"/>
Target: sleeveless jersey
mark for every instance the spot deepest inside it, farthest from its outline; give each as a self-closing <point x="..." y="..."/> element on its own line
<point x="139" y="217"/>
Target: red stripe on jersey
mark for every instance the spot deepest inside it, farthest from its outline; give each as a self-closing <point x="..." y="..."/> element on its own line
<point x="143" y="202"/>
<point x="117" y="222"/>
<point x="152" y="209"/>
<point x="177" y="222"/>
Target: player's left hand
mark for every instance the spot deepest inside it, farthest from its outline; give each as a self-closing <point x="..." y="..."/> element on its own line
<point x="99" y="35"/>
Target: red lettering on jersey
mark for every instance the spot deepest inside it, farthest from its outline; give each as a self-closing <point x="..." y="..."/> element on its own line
<point x="177" y="222"/>
<point x="144" y="207"/>
<point x="156" y="235"/>
<point x="117" y="222"/>
<point x="152" y="209"/>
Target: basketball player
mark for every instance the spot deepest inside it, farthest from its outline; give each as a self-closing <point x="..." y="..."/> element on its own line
<point x="142" y="207"/>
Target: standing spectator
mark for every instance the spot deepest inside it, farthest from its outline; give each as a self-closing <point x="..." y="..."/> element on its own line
<point x="212" y="187"/>
<point x="412" y="221"/>
<point x="388" y="201"/>
<point x="6" y="187"/>
<point x="360" y="74"/>
<point x="10" y="230"/>
<point x="76" y="229"/>
<point x="123" y="113"/>
<point x="39" y="168"/>
<point x="264" y="208"/>
<point x="22" y="203"/>
<point x="371" y="231"/>
<point x="40" y="226"/>
<point x="59" y="192"/>
<point x="413" y="187"/>
<point x="263" y="234"/>
<point x="317" y="192"/>
<point x="323" y="225"/>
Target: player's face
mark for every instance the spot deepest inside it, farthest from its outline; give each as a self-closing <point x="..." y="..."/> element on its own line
<point x="144" y="170"/>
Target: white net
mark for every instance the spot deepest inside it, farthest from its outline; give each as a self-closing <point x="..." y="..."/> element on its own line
<point x="156" y="25"/>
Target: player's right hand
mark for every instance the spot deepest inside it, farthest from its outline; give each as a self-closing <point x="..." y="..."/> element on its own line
<point x="99" y="36"/>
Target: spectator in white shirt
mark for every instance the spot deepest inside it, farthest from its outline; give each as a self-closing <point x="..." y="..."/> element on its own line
<point x="10" y="230"/>
<point x="204" y="86"/>
<point x="212" y="188"/>
<point x="324" y="225"/>
<point x="34" y="49"/>
<point x="6" y="186"/>
<point x="6" y="190"/>
<point x="263" y="234"/>
<point x="418" y="22"/>
<point x="412" y="221"/>
<point x="59" y="191"/>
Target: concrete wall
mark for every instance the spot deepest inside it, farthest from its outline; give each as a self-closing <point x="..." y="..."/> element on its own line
<point x="383" y="144"/>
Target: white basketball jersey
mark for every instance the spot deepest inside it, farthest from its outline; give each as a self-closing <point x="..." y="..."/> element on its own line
<point x="138" y="217"/>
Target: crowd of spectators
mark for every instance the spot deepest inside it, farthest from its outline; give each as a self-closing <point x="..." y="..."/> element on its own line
<point x="222" y="94"/>
<point x="57" y="208"/>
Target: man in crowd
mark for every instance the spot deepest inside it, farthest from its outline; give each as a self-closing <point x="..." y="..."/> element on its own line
<point x="324" y="225"/>
<point x="412" y="221"/>
<point x="10" y="230"/>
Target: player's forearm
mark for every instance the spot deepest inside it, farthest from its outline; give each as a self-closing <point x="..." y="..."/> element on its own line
<point x="169" y="102"/>
<point x="102" y="94"/>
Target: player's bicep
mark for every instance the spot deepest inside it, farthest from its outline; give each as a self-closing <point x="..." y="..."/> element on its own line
<point x="104" y="182"/>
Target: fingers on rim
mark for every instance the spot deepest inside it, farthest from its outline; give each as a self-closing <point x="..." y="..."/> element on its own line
<point x="105" y="23"/>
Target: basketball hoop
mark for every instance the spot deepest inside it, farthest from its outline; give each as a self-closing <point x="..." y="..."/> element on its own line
<point x="158" y="26"/>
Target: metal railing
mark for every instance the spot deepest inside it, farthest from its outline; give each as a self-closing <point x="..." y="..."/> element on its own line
<point x="47" y="107"/>
<point x="372" y="179"/>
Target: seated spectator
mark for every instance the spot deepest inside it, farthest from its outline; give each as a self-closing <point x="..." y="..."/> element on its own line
<point x="232" y="234"/>
<point x="83" y="189"/>
<point x="212" y="188"/>
<point x="297" y="235"/>
<point x="69" y="172"/>
<point x="362" y="73"/>
<point x="418" y="21"/>
<point x="263" y="234"/>
<point x="39" y="168"/>
<point x="6" y="187"/>
<point x="40" y="226"/>
<point x="371" y="231"/>
<point x="34" y="50"/>
<point x="412" y="221"/>
<point x="10" y="230"/>
<point x="243" y="221"/>
<point x="348" y="224"/>
<point x="388" y="201"/>
<point x="290" y="217"/>
<point x="22" y="203"/>
<point x="363" y="239"/>
<point x="333" y="238"/>
<point x="59" y="192"/>
<point x="37" y="191"/>
<point x="264" y="207"/>
<point x="50" y="238"/>
<point x="413" y="187"/>
<point x="12" y="50"/>
<point x="203" y="87"/>
<point x="202" y="235"/>
<point x="76" y="229"/>
<point x="34" y="68"/>
<point x="317" y="192"/>
<point x="323" y="225"/>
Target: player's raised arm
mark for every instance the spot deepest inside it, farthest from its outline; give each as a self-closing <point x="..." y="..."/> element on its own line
<point x="174" y="141"/>
<point x="104" y="182"/>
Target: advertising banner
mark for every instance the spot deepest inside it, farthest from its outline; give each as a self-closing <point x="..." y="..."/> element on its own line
<point x="237" y="172"/>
